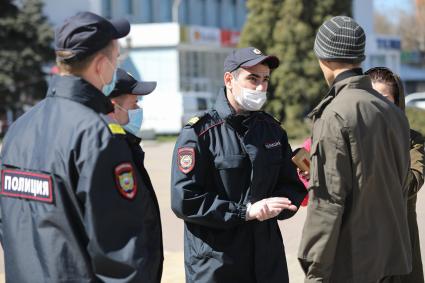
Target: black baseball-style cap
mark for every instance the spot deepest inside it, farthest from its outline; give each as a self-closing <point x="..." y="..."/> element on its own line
<point x="127" y="84"/>
<point x="248" y="57"/>
<point x="86" y="33"/>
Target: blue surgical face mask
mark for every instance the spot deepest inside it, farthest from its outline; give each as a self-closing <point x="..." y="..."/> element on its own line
<point x="108" y="88"/>
<point x="135" y="119"/>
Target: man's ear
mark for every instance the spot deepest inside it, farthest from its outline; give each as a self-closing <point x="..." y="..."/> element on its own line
<point x="228" y="80"/>
<point x="98" y="62"/>
<point x="326" y="63"/>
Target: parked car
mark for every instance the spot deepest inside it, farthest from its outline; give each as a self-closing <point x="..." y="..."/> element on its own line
<point x="416" y="99"/>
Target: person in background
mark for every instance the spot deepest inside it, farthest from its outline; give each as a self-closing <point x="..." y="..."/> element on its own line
<point x="127" y="98"/>
<point x="390" y="86"/>
<point x="305" y="175"/>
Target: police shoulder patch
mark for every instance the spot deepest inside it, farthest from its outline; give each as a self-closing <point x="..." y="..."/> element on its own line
<point x="125" y="180"/>
<point x="116" y="129"/>
<point x="186" y="159"/>
<point x="26" y="185"/>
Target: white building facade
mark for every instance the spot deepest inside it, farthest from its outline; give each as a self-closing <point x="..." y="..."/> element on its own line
<point x="181" y="44"/>
<point x="381" y="50"/>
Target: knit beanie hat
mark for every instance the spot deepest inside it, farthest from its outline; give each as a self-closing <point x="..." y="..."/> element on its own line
<point x="340" y="39"/>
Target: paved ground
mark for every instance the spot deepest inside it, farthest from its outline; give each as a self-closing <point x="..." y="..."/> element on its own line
<point x="158" y="161"/>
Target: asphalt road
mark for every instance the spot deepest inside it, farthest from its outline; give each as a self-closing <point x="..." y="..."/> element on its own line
<point x="158" y="163"/>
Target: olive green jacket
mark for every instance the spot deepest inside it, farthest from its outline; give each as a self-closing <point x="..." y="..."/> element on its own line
<point x="416" y="180"/>
<point x="417" y="157"/>
<point x="356" y="228"/>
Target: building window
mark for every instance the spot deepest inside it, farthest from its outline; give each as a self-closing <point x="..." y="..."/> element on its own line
<point x="165" y="10"/>
<point x="129" y="7"/>
<point x="184" y="12"/>
<point x="241" y="14"/>
<point x="203" y="7"/>
<point x="146" y="11"/>
<point x="201" y="71"/>
<point x="233" y="14"/>
<point x="107" y="8"/>
<point x="218" y="14"/>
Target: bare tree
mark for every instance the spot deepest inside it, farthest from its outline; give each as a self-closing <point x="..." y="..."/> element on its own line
<point x="408" y="24"/>
<point x="411" y="27"/>
<point x="383" y="25"/>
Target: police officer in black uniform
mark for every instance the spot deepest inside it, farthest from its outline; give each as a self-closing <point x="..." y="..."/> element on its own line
<point x="74" y="207"/>
<point x="232" y="179"/>
<point x="127" y="98"/>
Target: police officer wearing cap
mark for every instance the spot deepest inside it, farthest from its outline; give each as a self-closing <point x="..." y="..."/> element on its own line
<point x="232" y="179"/>
<point x="127" y="98"/>
<point x="73" y="203"/>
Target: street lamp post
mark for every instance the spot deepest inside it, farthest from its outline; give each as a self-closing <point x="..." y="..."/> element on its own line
<point x="175" y="11"/>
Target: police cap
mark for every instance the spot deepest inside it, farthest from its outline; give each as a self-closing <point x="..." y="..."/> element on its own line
<point x="248" y="57"/>
<point x="86" y="33"/>
<point x="127" y="84"/>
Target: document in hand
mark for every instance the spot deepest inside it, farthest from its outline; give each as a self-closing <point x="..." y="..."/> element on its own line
<point x="302" y="159"/>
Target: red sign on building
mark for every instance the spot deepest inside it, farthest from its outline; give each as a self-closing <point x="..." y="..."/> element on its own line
<point x="229" y="38"/>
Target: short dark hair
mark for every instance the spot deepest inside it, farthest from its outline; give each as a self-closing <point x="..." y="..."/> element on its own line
<point x="387" y="77"/>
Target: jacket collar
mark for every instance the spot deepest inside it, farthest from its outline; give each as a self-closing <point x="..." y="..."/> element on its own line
<point x="81" y="91"/>
<point x="347" y="74"/>
<point x="132" y="139"/>
<point x="222" y="105"/>
<point x="225" y="110"/>
<point x="349" y="79"/>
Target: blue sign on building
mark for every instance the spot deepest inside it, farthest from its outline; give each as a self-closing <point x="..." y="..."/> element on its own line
<point x="388" y="43"/>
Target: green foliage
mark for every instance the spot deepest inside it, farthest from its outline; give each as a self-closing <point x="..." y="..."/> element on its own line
<point x="416" y="118"/>
<point x="261" y="19"/>
<point x="287" y="28"/>
<point x="25" y="45"/>
<point x="298" y="80"/>
<point x="166" y="138"/>
<point x="297" y="129"/>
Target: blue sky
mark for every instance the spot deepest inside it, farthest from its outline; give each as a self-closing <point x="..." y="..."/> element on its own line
<point x="391" y="5"/>
<point x="392" y="8"/>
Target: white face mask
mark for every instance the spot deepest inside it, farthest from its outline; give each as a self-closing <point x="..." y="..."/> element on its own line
<point x="251" y="100"/>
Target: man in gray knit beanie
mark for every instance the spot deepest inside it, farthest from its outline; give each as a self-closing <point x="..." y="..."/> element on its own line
<point x="356" y="227"/>
<point x="340" y="39"/>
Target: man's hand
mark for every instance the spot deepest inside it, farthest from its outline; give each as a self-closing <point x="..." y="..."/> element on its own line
<point x="268" y="208"/>
<point x="304" y="174"/>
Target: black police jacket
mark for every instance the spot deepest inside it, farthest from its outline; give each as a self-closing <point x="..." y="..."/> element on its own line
<point x="73" y="206"/>
<point x="222" y="162"/>
<point x="139" y="159"/>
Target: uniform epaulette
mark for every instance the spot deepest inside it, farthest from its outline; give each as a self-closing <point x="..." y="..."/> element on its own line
<point x="113" y="125"/>
<point x="194" y="120"/>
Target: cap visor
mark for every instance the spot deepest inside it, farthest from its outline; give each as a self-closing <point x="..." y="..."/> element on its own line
<point x="272" y="61"/>
<point x="143" y="88"/>
<point x="122" y="27"/>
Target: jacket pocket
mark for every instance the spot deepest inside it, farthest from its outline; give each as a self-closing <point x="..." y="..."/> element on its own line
<point x="233" y="176"/>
